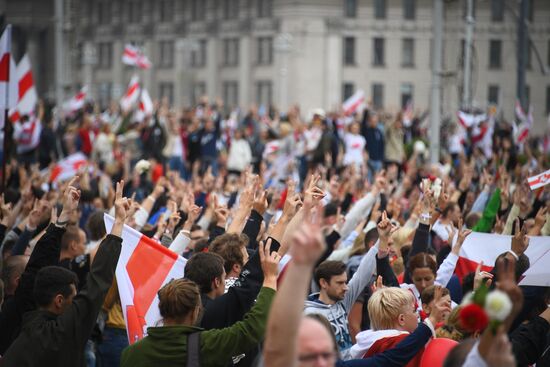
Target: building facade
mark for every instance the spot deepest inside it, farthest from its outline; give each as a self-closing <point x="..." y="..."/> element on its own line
<point x="312" y="52"/>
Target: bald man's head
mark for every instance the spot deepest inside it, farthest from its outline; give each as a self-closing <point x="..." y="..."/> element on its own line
<point x="13" y="268"/>
<point x="315" y="345"/>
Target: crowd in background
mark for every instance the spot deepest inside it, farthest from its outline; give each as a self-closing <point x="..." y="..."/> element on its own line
<point x="349" y="207"/>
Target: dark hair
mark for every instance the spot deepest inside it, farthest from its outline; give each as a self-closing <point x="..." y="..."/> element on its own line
<point x="51" y="281"/>
<point x="468" y="283"/>
<point x="178" y="298"/>
<point x="422" y="260"/>
<point x="96" y="226"/>
<point x="522" y="264"/>
<point x="202" y="268"/>
<point x="328" y="269"/>
<point x="201" y="246"/>
<point x="13" y="267"/>
<point x="448" y="209"/>
<point x="371" y="237"/>
<point x="428" y="294"/>
<point x="72" y="233"/>
<point x="229" y="246"/>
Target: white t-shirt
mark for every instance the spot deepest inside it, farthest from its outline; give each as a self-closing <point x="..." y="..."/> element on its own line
<point x="355" y="146"/>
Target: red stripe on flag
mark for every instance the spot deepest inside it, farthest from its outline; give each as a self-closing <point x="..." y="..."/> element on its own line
<point x="147" y="269"/>
<point x="354" y="106"/>
<point x="15" y="116"/>
<point x="25" y="84"/>
<point x="132" y="89"/>
<point x="5" y="67"/>
<point x="466" y="266"/>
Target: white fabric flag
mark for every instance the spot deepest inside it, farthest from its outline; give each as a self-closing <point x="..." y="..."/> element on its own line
<point x="144" y="266"/>
<point x="77" y="101"/>
<point x="8" y="79"/>
<point x="354" y="103"/>
<point x="131" y="96"/>
<point x="27" y="97"/>
<point x="145" y="106"/>
<point x="540" y="180"/>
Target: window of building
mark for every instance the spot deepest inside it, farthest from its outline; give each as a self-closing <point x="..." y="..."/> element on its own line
<point x="408" y="52"/>
<point x="347" y="90"/>
<point x="349" y="50"/>
<point x="230" y="91"/>
<point x="105" y="94"/>
<point x="231" y="52"/>
<point x="548" y="100"/>
<point x="493" y="94"/>
<point x="378" y="52"/>
<point x="166" y="8"/>
<point x="380" y="9"/>
<point x="378" y="95"/>
<point x="198" y="10"/>
<point x="497" y="10"/>
<point x="350" y="8"/>
<point x="409" y="9"/>
<point x="135" y="11"/>
<point x="407" y="94"/>
<point x="198" y="55"/>
<point x="105" y="55"/>
<point x="230" y="9"/>
<point x="199" y="90"/>
<point x="265" y="8"/>
<point x="166" y="54"/>
<point x="104" y="12"/>
<point x="264" y="90"/>
<point x="265" y="51"/>
<point x="495" y="54"/>
<point x="166" y="90"/>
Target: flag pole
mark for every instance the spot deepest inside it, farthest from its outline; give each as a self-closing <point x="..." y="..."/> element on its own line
<point x="7" y="124"/>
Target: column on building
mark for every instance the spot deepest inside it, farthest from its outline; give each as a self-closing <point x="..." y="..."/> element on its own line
<point x="244" y="71"/>
<point x="89" y="58"/>
<point x="33" y="50"/>
<point x="119" y="84"/>
<point x="333" y="70"/>
<point x="148" y="75"/>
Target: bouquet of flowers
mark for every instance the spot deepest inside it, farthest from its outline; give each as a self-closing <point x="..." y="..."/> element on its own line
<point x="483" y="308"/>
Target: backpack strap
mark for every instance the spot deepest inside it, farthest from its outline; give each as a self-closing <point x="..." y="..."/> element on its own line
<point x="193" y="349"/>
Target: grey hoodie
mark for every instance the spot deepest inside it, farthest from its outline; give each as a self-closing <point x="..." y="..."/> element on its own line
<point x="337" y="314"/>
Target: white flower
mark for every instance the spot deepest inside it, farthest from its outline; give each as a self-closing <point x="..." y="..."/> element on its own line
<point x="142" y="166"/>
<point x="498" y="305"/>
<point x="467" y="299"/>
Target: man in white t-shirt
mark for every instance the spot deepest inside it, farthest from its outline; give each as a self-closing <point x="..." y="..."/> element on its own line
<point x="355" y="146"/>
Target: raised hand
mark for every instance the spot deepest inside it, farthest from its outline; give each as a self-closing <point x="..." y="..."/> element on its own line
<point x="313" y="194"/>
<point x="308" y="243"/>
<point x="222" y="213"/>
<point x="481" y="276"/>
<point x="385" y="227"/>
<point x="70" y="199"/>
<point x="379" y="284"/>
<point x="463" y="233"/>
<point x="520" y="241"/>
<point x="122" y="204"/>
<point x="269" y="261"/>
<point x="441" y="307"/>
<point x="500" y="351"/>
<point x="5" y="210"/>
<point x="260" y="202"/>
<point x="506" y="282"/>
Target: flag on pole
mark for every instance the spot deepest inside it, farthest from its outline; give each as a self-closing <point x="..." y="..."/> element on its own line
<point x="27" y="97"/>
<point x="539" y="180"/>
<point x="68" y="167"/>
<point x="354" y="103"/>
<point x="77" y="101"/>
<point x="8" y="80"/>
<point x="135" y="57"/>
<point x="144" y="266"/>
<point x="145" y="106"/>
<point x="486" y="247"/>
<point x="468" y="120"/>
<point x="525" y="121"/>
<point x="131" y="96"/>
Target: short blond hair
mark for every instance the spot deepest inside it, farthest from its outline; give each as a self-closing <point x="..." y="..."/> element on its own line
<point x="386" y="304"/>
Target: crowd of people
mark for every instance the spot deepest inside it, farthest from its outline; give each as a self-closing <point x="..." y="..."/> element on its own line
<point x="310" y="239"/>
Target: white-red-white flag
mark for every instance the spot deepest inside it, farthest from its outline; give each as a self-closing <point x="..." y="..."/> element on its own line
<point x="27" y="134"/>
<point x="468" y="120"/>
<point x="8" y="79"/>
<point x="135" y="57"/>
<point x="131" y="96"/>
<point x="354" y="103"/>
<point x="68" y="167"/>
<point x="77" y="101"/>
<point x="144" y="266"/>
<point x="145" y="108"/>
<point x="486" y="247"/>
<point x="525" y="121"/>
<point x="540" y="180"/>
<point x="27" y="97"/>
